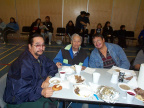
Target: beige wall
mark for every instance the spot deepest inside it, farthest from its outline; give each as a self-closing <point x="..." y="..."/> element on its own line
<point x="128" y="12"/>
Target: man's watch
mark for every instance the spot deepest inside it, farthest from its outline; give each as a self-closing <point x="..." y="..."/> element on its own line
<point x="50" y="76"/>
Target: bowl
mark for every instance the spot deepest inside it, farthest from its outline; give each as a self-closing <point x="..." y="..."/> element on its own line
<point x="124" y="86"/>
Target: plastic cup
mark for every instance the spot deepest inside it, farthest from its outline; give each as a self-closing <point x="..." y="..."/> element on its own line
<point x="130" y="96"/>
<point x="78" y="69"/>
<point x="96" y="77"/>
<point x="62" y="75"/>
<point x="114" y="78"/>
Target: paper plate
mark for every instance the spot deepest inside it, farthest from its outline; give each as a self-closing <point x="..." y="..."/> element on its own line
<point x="84" y="91"/>
<point x="138" y="98"/>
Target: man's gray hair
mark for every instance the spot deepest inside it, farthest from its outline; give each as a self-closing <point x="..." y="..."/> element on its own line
<point x="75" y="34"/>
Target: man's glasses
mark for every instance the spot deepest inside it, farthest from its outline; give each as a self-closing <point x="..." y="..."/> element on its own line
<point x="39" y="46"/>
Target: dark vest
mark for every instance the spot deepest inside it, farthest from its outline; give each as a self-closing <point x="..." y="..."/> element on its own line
<point x="81" y="56"/>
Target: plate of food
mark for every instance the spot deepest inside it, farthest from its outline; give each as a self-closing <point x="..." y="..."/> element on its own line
<point x="107" y="94"/>
<point x="55" y="81"/>
<point x="82" y="90"/>
<point x="76" y="79"/>
<point x="139" y="94"/>
<point x="124" y="86"/>
<point x="140" y="98"/>
<point x="68" y="69"/>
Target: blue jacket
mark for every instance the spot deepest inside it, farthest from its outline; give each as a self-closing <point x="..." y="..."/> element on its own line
<point x="25" y="78"/>
<point x="116" y="53"/>
<point x="13" y="26"/>
<point x="59" y="58"/>
<point x="141" y="34"/>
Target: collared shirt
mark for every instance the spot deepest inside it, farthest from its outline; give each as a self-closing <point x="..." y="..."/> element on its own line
<point x="108" y="62"/>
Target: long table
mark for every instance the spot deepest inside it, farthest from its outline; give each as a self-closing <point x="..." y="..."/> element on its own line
<point x="69" y="95"/>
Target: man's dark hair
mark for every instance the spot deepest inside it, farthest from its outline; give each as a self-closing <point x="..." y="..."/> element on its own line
<point x="87" y="14"/>
<point x="30" y="40"/>
<point x="97" y="35"/>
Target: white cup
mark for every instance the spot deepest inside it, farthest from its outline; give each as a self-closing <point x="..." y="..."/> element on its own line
<point x="62" y="74"/>
<point x="130" y="96"/>
<point x="78" y="69"/>
<point x="114" y="78"/>
<point x="96" y="77"/>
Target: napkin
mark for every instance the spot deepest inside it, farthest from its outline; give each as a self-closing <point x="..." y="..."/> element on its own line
<point x="67" y="69"/>
<point x="141" y="77"/>
<point x="94" y="86"/>
<point x="65" y="84"/>
<point x="85" y="92"/>
<point x="133" y="83"/>
<point x="89" y="70"/>
<point x="128" y="73"/>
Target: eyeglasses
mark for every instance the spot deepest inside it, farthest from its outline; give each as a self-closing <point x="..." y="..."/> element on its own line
<point x="39" y="46"/>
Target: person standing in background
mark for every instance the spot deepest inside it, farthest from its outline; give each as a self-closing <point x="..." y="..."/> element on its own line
<point x="80" y="26"/>
<point x="141" y="38"/>
<point x="49" y="31"/>
<point x="10" y="28"/>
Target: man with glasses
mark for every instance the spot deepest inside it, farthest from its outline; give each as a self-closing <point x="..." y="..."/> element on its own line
<point x="28" y="78"/>
<point x="106" y="55"/>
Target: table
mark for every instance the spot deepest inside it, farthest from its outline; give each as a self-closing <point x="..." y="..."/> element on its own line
<point x="68" y="94"/>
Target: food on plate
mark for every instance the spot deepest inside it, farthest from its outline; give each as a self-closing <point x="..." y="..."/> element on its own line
<point x="78" y="79"/>
<point x="77" y="90"/>
<point x="73" y="67"/>
<point x="117" y="70"/>
<point x="125" y="87"/>
<point x="129" y="78"/>
<point x="140" y="97"/>
<point x="57" y="87"/>
<point x="140" y="94"/>
<point x="55" y="81"/>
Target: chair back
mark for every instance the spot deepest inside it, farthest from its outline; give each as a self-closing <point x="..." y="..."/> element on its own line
<point x="129" y="34"/>
<point x="92" y="31"/>
<point x="26" y="29"/>
<point x="61" y="30"/>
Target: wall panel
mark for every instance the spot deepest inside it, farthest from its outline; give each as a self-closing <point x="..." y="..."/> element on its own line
<point x="72" y="9"/>
<point x="140" y="19"/>
<point x="27" y="12"/>
<point x="7" y="10"/>
<point x="52" y="8"/>
<point x="101" y="11"/>
<point x="125" y="12"/>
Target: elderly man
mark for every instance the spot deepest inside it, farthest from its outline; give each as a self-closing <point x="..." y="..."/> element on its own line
<point x="28" y="78"/>
<point x="72" y="54"/>
<point x="106" y="55"/>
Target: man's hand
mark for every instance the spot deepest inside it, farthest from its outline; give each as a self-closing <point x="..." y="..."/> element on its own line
<point x="58" y="64"/>
<point x="83" y="68"/>
<point x="45" y="84"/>
<point x="47" y="92"/>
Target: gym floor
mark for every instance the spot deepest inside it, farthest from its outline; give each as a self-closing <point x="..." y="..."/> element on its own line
<point x="10" y="52"/>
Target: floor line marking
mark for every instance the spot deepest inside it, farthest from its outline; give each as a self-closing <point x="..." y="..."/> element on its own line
<point x="11" y="52"/>
<point x="8" y="63"/>
<point x="7" y="50"/>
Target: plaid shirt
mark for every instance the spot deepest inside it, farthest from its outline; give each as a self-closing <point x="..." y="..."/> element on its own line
<point x="108" y="62"/>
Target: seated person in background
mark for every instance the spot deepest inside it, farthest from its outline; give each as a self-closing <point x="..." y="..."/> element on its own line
<point x="70" y="29"/>
<point x="72" y="54"/>
<point x="141" y="38"/>
<point x="42" y="28"/>
<point x="108" y="32"/>
<point x="27" y="83"/>
<point x="122" y="36"/>
<point x="35" y="27"/>
<point x="98" y="30"/>
<point x="106" y="55"/>
<point x="10" y="28"/>
<point x="139" y="59"/>
<point x="2" y="26"/>
<point x="49" y="32"/>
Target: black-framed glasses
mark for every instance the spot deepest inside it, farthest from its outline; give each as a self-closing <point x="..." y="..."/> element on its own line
<point x="39" y="46"/>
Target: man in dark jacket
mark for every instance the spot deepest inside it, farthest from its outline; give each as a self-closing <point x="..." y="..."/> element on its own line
<point x="28" y="77"/>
